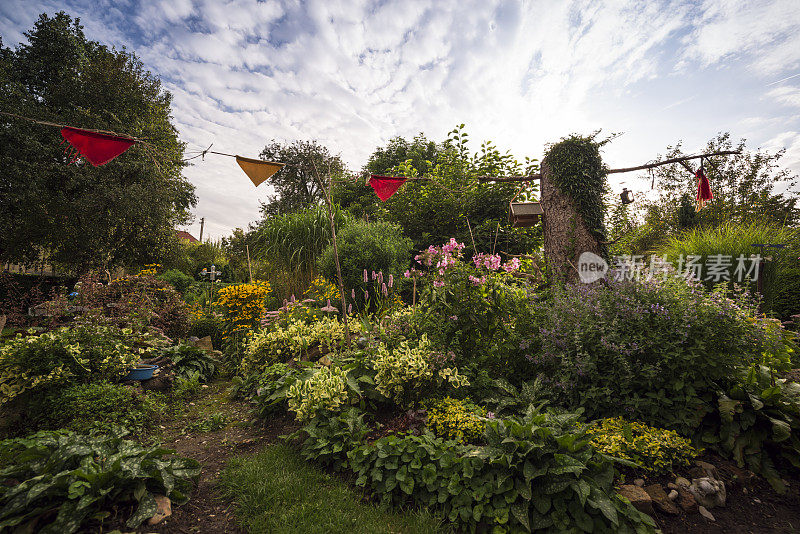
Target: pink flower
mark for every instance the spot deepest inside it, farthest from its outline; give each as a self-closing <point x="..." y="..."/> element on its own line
<point x="477" y="281"/>
<point x="366" y="278"/>
<point x="438" y="283"/>
<point x="511" y="265"/>
<point x="407" y="274"/>
<point x="391" y="280"/>
<point x="384" y="290"/>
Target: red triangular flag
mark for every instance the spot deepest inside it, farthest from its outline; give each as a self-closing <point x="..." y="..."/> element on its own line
<point x="385" y="186"/>
<point x="704" y="193"/>
<point x="97" y="148"/>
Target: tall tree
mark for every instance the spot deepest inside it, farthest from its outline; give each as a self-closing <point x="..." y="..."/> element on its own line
<point x="82" y="217"/>
<point x="295" y="184"/>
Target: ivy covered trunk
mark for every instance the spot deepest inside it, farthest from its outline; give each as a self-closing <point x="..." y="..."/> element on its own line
<point x="573" y="181"/>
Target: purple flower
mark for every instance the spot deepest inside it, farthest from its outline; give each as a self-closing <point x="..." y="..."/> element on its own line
<point x="391" y="280"/>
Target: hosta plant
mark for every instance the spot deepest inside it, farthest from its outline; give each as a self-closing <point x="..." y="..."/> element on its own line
<point x="325" y="391"/>
<point x="56" y="482"/>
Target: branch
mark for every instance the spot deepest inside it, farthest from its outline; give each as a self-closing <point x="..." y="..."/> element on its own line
<point x="510" y="178"/>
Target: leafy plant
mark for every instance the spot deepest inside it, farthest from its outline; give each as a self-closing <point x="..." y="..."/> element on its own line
<point x="208" y="325"/>
<point x="215" y="421"/>
<point x="82" y="476"/>
<point x="457" y="420"/>
<point x="653" y="449"/>
<point x="326" y="390"/>
<point x="271" y="387"/>
<point x="328" y="438"/>
<point x="188" y="359"/>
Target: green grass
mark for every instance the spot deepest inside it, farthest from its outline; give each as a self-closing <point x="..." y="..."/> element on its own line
<point x="277" y="491"/>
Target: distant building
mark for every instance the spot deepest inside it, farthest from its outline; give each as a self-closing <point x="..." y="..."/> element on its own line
<point x="186" y="236"/>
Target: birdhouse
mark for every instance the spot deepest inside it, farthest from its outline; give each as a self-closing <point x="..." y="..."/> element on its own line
<point x="524" y="214"/>
<point x="626" y="196"/>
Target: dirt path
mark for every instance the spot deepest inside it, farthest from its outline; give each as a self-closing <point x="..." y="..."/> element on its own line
<point x="206" y="511"/>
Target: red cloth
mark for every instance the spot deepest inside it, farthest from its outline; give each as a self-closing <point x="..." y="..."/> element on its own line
<point x="704" y="193"/>
<point x="385" y="186"/>
<point x="97" y="148"/>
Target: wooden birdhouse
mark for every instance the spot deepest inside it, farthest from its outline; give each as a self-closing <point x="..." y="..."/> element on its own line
<point x="524" y="214"/>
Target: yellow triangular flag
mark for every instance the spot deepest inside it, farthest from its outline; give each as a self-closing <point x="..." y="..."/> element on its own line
<point x="258" y="170"/>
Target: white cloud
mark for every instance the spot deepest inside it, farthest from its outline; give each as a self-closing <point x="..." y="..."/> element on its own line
<point x="787" y="95"/>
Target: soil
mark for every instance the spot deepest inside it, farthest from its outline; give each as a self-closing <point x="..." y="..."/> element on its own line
<point x="207" y="512"/>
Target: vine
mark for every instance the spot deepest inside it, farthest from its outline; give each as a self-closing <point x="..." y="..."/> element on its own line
<point x="577" y="171"/>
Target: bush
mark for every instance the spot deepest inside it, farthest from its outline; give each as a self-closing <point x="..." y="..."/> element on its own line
<point x="405" y="373"/>
<point x="376" y="246"/>
<point x="271" y="388"/>
<point x="208" y="325"/>
<point x="652" y="351"/>
<point x="189" y="360"/>
<point x="284" y="343"/>
<point x="328" y="439"/>
<point x="84" y="478"/>
<point x="325" y="391"/>
<point x="243" y="306"/>
<point x="536" y="474"/>
<point x="84" y="352"/>
<point x="180" y="281"/>
<point x="457" y="420"/>
<point x="101" y="406"/>
<point x="653" y="449"/>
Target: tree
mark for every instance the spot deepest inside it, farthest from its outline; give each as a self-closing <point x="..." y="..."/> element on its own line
<point x="82" y="217"/>
<point x="296" y="184"/>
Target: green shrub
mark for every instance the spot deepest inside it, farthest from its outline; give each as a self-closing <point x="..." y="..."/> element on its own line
<point x="101" y="406"/>
<point x="736" y="239"/>
<point x="374" y="246"/>
<point x="757" y="423"/>
<point x="456" y="420"/>
<point x="271" y="387"/>
<point x="85" y="478"/>
<point x="653" y="449"/>
<point x="652" y="351"/>
<point x="80" y="353"/>
<point x="536" y="474"/>
<point x="189" y="359"/>
<point x="177" y="279"/>
<point x="325" y="391"/>
<point x="328" y="439"/>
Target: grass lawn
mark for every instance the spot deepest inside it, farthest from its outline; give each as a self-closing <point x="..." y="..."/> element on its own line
<point x="277" y="491"/>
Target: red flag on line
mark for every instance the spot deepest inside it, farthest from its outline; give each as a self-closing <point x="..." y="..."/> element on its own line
<point x="704" y="193"/>
<point x="97" y="148"/>
<point x="385" y="186"/>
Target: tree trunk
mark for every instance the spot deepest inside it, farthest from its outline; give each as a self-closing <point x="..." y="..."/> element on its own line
<point x="566" y="235"/>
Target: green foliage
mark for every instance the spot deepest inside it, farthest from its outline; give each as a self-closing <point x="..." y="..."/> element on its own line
<point x="405" y="374"/>
<point x="277" y="492"/>
<point x="325" y="391"/>
<point x="651" y="351"/>
<point x="652" y="449"/>
<point x="208" y="325"/>
<point x="328" y="439"/>
<point x="135" y="203"/>
<point x="189" y="359"/>
<point x="215" y="421"/>
<point x="271" y="386"/>
<point x="177" y="279"/>
<point x="457" y="420"/>
<point x="83" y="352"/>
<point x="578" y="171"/>
<point x="279" y="343"/>
<point x="736" y="239"/>
<point x="374" y="246"/>
<point x="83" y="477"/>
<point x="538" y="474"/>
<point x="757" y="423"/>
<point x="101" y="406"/>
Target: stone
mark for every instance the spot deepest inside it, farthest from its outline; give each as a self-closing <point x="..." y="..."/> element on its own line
<point x="682" y="482"/>
<point x="672" y="486"/>
<point x="163" y="510"/>
<point x="638" y="498"/>
<point x="660" y="499"/>
<point x="708" y="492"/>
<point x="710" y="470"/>
<point x="2" y="323"/>
<point x="205" y="344"/>
<point x="673" y="494"/>
<point x="686" y="500"/>
<point x="705" y="513"/>
<point x="639" y="482"/>
<point x="325" y="361"/>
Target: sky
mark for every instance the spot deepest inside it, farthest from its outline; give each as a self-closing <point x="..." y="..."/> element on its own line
<point x="353" y="74"/>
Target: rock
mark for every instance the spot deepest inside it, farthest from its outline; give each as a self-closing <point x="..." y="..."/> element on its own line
<point x="686" y="500"/>
<point x="708" y="492"/>
<point x="682" y="482"/>
<point x="163" y="510"/>
<point x="2" y="323"/>
<point x="205" y="344"/>
<point x="672" y="486"/>
<point x="660" y="499"/>
<point x="638" y="498"/>
<point x="709" y="469"/>
<point x="639" y="482"/>
<point x="673" y="495"/>
<point x="705" y="513"/>
<point x="325" y="361"/>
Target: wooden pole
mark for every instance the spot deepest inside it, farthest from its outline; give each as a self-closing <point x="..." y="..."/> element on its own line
<point x="249" y="268"/>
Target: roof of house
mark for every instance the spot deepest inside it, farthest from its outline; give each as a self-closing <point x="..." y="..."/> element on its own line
<point x="186" y="235"/>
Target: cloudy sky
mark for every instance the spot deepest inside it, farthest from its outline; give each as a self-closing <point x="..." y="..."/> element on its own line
<point x="353" y="74"/>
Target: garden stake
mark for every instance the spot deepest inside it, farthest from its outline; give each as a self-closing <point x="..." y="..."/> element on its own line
<point x="249" y="268"/>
